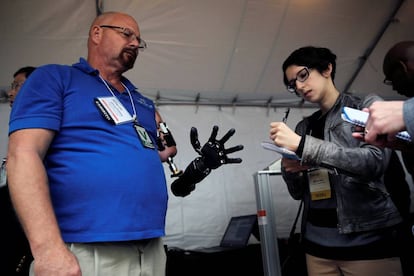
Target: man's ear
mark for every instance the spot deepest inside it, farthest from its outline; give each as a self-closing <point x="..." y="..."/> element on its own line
<point x="328" y="71"/>
<point x="402" y="66"/>
<point x="96" y="33"/>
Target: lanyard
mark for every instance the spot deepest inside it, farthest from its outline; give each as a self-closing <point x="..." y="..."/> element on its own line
<point x="134" y="116"/>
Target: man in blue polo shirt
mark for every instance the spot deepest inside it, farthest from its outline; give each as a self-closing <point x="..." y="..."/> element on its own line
<point x="84" y="170"/>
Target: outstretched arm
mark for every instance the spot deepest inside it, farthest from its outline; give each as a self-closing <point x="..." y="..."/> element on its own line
<point x="212" y="155"/>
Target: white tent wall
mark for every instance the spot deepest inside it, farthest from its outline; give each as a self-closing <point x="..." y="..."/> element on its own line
<point x="199" y="220"/>
<point x="224" y="51"/>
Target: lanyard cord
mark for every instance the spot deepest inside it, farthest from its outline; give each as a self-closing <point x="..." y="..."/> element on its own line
<point x="134" y="117"/>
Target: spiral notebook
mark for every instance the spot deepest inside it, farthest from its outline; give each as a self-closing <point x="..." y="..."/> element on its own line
<point x="283" y="151"/>
<point x="359" y="118"/>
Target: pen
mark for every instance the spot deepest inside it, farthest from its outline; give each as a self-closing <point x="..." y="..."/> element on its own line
<point x="286" y="115"/>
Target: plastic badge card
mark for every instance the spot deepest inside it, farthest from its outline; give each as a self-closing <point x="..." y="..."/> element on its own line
<point x="359" y="118"/>
<point x="283" y="151"/>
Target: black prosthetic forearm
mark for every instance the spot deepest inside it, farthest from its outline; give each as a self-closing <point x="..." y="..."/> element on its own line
<point x="194" y="173"/>
<point x="212" y="155"/>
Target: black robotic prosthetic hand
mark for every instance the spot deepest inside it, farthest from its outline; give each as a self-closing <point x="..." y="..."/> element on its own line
<point x="212" y="155"/>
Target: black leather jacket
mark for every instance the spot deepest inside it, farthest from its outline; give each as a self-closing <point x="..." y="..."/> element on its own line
<point x="363" y="203"/>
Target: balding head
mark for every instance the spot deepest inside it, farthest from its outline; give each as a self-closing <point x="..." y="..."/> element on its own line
<point x="108" y="18"/>
<point x="398" y="67"/>
<point x="113" y="43"/>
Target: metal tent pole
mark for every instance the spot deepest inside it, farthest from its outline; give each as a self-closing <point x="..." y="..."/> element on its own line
<point x="266" y="222"/>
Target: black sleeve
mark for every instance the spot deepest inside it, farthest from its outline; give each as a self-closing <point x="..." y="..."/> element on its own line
<point x="194" y="173"/>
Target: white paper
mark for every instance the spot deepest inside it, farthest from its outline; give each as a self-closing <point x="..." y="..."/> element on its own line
<point x="359" y="118"/>
<point x="283" y="151"/>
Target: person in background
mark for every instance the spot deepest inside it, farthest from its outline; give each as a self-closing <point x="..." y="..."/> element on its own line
<point x="349" y="220"/>
<point x="15" y="247"/>
<point x="398" y="68"/>
<point x="85" y="173"/>
<point x="387" y="118"/>
<point x="20" y="77"/>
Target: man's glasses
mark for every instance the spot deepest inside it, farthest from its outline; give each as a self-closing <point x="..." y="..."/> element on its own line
<point x="301" y="76"/>
<point x="128" y="34"/>
<point x="15" y="85"/>
<point x="387" y="82"/>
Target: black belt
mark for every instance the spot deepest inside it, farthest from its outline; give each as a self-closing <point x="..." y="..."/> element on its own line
<point x="323" y="217"/>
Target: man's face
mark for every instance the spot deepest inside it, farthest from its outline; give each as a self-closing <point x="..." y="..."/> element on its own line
<point x="120" y="42"/>
<point x="15" y="87"/>
<point x="401" y="77"/>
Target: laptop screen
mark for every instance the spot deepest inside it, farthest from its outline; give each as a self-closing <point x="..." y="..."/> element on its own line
<point x="238" y="231"/>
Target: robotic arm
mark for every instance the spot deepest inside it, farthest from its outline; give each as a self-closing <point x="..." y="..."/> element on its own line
<point x="212" y="155"/>
<point x="166" y="145"/>
<point x="166" y="140"/>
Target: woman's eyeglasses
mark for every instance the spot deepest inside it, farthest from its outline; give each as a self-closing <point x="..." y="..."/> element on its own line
<point x="301" y="76"/>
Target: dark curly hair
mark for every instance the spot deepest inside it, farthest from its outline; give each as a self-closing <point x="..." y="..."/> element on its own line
<point x="317" y="58"/>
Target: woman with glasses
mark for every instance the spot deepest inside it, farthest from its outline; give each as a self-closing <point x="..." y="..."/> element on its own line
<point x="349" y="219"/>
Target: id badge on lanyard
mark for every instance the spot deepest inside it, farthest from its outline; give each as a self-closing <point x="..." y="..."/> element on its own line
<point x="143" y="136"/>
<point x="319" y="184"/>
<point x="113" y="111"/>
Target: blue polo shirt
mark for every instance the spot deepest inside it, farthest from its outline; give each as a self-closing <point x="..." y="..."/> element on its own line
<point x="105" y="185"/>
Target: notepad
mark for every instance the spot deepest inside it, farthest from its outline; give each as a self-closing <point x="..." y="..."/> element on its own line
<point x="359" y="118"/>
<point x="283" y="151"/>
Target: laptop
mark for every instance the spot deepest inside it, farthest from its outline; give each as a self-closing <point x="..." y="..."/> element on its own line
<point x="237" y="233"/>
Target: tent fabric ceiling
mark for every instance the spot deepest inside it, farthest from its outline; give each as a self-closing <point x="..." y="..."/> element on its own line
<point x="216" y="52"/>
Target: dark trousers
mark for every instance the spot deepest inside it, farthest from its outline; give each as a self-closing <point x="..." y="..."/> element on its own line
<point x="15" y="250"/>
<point x="406" y="239"/>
